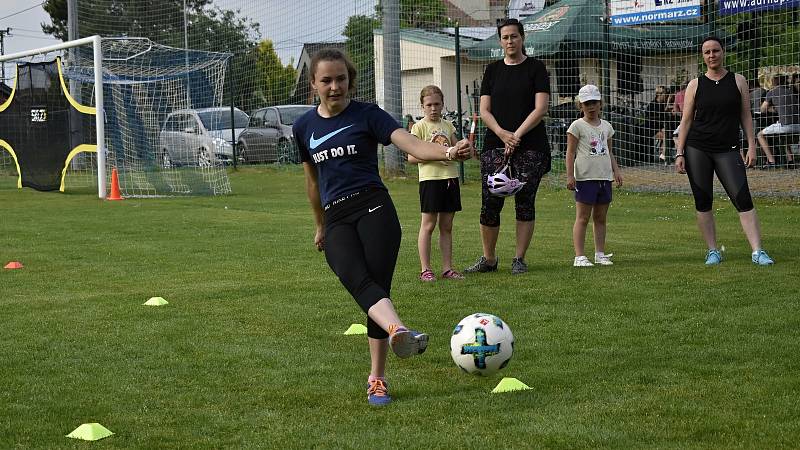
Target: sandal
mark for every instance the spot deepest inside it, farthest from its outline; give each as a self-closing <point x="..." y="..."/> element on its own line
<point x="453" y="275"/>
<point x="427" y="276"/>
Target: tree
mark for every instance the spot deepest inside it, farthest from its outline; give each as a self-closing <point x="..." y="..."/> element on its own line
<point x="279" y="80"/>
<point x="57" y="9"/>
<point x="220" y="30"/>
<point x="763" y="39"/>
<point x="359" y="45"/>
<point x="420" y="13"/>
<point x="159" y="20"/>
<point x="254" y="77"/>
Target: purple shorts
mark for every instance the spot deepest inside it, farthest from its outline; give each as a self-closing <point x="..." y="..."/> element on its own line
<point x="594" y="192"/>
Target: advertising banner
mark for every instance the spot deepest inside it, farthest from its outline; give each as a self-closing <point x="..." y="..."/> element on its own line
<point x="635" y="12"/>
<point x="738" y="6"/>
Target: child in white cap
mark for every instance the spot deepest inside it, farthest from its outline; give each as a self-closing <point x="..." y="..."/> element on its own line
<point x="591" y="168"/>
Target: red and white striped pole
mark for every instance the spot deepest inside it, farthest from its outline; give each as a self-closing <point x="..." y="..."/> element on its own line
<point x="472" y="129"/>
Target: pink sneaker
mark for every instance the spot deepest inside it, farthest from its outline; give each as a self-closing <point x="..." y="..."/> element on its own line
<point x="452" y="275"/>
<point x="427" y="276"/>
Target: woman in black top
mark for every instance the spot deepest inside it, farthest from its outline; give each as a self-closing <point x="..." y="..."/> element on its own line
<point x="717" y="104"/>
<point x="515" y="94"/>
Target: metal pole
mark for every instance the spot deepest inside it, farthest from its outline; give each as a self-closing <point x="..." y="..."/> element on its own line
<point x="393" y="100"/>
<point x="72" y="19"/>
<point x="711" y="11"/>
<point x="75" y="137"/>
<point x="3" y="34"/>
<point x="185" y="28"/>
<point x="458" y="83"/>
<point x="186" y="54"/>
<point x="458" y="98"/>
<point x="233" y="116"/>
<point x="100" y="116"/>
<point x="606" y="63"/>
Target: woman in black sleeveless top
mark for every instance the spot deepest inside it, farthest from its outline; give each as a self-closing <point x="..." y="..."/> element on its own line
<point x="717" y="104"/>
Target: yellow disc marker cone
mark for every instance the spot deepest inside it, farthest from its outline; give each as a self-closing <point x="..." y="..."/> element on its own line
<point x="90" y="432"/>
<point x="510" y="384"/>
<point x="356" y="328"/>
<point x="156" y="301"/>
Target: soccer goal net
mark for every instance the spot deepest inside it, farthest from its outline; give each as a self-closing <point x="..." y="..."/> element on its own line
<point x="156" y="111"/>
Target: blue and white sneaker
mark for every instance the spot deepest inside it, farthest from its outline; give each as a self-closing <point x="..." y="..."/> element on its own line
<point x="378" y="392"/>
<point x="713" y="257"/>
<point x="405" y="342"/>
<point x="761" y="258"/>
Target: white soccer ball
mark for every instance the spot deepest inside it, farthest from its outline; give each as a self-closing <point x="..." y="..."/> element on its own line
<point x="481" y="344"/>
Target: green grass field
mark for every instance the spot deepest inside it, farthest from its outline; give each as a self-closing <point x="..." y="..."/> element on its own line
<point x="657" y="351"/>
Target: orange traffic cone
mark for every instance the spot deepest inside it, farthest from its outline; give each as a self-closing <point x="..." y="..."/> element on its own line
<point x="115" y="195"/>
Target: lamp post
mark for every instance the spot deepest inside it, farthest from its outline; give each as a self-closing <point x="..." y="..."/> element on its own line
<point x="3" y="34"/>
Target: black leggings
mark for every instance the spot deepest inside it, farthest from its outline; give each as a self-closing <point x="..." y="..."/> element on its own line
<point x="729" y="167"/>
<point x="361" y="247"/>
<point x="529" y="166"/>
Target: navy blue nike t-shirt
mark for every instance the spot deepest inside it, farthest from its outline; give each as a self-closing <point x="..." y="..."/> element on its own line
<point x="344" y="148"/>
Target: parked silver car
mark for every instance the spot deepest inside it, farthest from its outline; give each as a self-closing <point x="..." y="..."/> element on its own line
<point x="268" y="137"/>
<point x="200" y="137"/>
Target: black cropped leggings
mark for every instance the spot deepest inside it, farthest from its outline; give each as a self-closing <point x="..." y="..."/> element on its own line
<point x="529" y="165"/>
<point x="361" y="248"/>
<point x="729" y="167"/>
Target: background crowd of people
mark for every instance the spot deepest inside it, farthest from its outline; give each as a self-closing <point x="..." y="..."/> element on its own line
<point x="778" y="115"/>
<point x="775" y="105"/>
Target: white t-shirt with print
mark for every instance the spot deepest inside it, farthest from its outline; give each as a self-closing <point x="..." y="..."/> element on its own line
<point x="592" y="160"/>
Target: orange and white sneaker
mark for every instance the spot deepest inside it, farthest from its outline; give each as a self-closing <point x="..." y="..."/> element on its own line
<point x="405" y="342"/>
<point x="378" y="392"/>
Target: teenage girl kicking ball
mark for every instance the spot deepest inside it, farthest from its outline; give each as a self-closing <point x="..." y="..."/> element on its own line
<point x="356" y="222"/>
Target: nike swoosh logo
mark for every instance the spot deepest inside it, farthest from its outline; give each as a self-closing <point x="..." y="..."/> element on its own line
<point x="375" y="208"/>
<point x="314" y="143"/>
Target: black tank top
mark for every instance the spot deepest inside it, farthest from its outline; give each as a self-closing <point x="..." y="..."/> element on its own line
<point x="717" y="110"/>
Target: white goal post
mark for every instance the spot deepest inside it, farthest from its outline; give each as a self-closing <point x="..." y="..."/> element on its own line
<point x="95" y="42"/>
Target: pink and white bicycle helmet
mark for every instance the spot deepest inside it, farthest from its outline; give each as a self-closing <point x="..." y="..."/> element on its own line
<point x="503" y="183"/>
